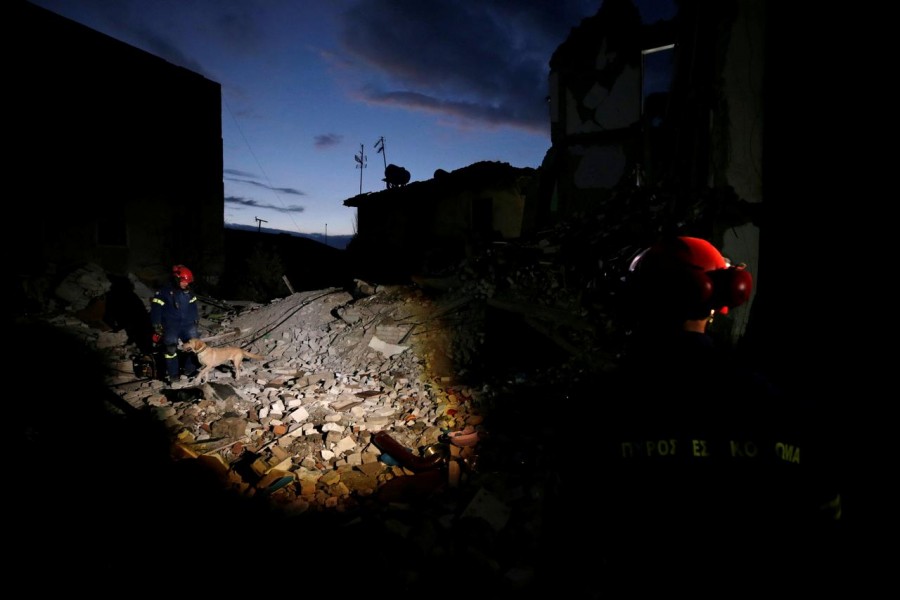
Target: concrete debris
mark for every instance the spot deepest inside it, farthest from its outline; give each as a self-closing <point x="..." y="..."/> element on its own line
<point x="385" y="348"/>
<point x="344" y="371"/>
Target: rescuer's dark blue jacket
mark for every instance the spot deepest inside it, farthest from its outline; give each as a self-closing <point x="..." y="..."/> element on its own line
<point x="174" y="313"/>
<point x="701" y="472"/>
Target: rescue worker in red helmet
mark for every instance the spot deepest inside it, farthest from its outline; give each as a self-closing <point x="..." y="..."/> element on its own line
<point x="175" y="315"/>
<point x="681" y="283"/>
<point x="705" y="472"/>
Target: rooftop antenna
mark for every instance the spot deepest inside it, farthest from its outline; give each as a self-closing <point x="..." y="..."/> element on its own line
<point x="360" y="164"/>
<point x="260" y="222"/>
<point x="379" y="147"/>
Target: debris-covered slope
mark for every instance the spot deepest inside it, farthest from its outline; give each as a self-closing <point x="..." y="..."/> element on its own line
<point x="356" y="415"/>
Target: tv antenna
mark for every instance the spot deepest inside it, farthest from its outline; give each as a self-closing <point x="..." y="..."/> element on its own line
<point x="379" y="147"/>
<point x="360" y="164"/>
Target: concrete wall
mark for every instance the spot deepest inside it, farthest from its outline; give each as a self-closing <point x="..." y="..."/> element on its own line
<point x="120" y="153"/>
<point x="741" y="166"/>
<point x="407" y="229"/>
<point x="713" y="135"/>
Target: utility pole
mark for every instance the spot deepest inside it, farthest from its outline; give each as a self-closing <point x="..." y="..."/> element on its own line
<point x="360" y="164"/>
<point x="379" y="147"/>
<point x="326" y="234"/>
<point x="259" y="226"/>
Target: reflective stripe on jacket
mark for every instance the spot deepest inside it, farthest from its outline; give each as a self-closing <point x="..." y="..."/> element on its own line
<point x="173" y="307"/>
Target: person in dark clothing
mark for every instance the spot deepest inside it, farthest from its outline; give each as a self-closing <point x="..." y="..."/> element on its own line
<point x="711" y="481"/>
<point x="175" y="317"/>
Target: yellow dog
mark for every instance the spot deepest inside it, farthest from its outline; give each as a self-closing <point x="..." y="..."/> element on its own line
<point x="210" y="357"/>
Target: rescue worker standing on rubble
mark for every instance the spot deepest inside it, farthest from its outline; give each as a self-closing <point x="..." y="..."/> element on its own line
<point x="711" y="479"/>
<point x="175" y="317"/>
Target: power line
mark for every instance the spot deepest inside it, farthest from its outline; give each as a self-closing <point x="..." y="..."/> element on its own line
<point x="259" y="165"/>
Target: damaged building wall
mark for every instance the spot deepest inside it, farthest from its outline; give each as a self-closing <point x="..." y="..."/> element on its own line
<point x="595" y="99"/>
<point x="740" y="166"/>
<point x="123" y="152"/>
<point x="700" y="147"/>
<point x="508" y="212"/>
<point x="429" y="225"/>
<point x="482" y="213"/>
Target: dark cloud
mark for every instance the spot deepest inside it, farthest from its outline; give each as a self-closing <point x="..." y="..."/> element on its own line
<point x="498" y="114"/>
<point x="235" y="22"/>
<point x="250" y="203"/>
<point x="290" y="191"/>
<point x="327" y="140"/>
<point x="485" y="62"/>
<point x="237" y="173"/>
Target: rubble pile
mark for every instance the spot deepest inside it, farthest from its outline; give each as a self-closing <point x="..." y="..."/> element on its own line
<point x="391" y="407"/>
<point x="359" y="410"/>
<point x="338" y="369"/>
<point x="369" y="406"/>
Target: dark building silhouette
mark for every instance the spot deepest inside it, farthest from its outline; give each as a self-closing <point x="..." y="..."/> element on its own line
<point x="120" y="153"/>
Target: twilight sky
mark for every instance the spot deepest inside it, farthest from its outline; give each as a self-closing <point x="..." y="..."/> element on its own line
<point x="308" y="84"/>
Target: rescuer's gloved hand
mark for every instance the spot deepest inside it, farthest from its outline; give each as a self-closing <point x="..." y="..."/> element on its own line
<point x="156" y="337"/>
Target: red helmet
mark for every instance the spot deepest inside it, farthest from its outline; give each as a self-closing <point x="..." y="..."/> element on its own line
<point x="688" y="276"/>
<point x="182" y="273"/>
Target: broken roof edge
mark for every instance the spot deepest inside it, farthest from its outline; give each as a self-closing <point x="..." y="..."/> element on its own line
<point x="486" y="170"/>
